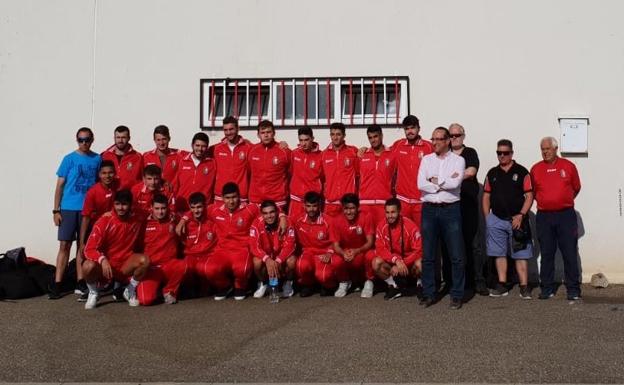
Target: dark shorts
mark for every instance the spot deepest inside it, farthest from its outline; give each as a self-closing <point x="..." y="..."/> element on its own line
<point x="69" y="230"/>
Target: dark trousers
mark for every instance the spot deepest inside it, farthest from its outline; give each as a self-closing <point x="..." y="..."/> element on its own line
<point x="559" y="229"/>
<point x="475" y="258"/>
<point x="442" y="223"/>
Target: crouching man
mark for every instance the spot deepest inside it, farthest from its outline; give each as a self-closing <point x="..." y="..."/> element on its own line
<point x="272" y="253"/>
<point x="110" y="252"/>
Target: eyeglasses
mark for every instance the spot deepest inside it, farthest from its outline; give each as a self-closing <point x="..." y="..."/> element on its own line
<point x="503" y="153"/>
<point x="455" y="136"/>
<point x="87" y="139"/>
<point x="439" y="139"/>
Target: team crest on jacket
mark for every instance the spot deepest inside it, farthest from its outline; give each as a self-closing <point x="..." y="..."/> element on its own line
<point x="514" y="177"/>
<point x="420" y="154"/>
<point x="387" y="162"/>
<point x="563" y="173"/>
<point x="129" y="166"/>
<point x="275" y="160"/>
<point x="171" y="229"/>
<point x="320" y="235"/>
<point x="347" y="162"/>
<point x="358" y="230"/>
<point x="209" y="235"/>
<point x="239" y="222"/>
<point x="174" y="164"/>
<point x="241" y="155"/>
<point x="312" y="164"/>
<point x="205" y="170"/>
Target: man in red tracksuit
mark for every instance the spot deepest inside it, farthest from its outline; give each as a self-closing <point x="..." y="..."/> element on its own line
<point x="398" y="247"/>
<point x="353" y="234"/>
<point x="306" y="172"/>
<point x="273" y="254"/>
<point x="196" y="173"/>
<point x="231" y="157"/>
<point x="409" y="153"/>
<point x="162" y="156"/>
<point x="160" y="244"/>
<point x="318" y="263"/>
<point x="341" y="169"/>
<point x="111" y="251"/>
<point x="268" y="166"/>
<point x="128" y="163"/>
<point x="152" y="184"/>
<point x="199" y="240"/>
<point x="377" y="173"/>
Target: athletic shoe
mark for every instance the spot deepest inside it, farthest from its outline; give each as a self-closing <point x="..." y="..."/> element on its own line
<point x="239" y="294"/>
<point x="53" y="291"/>
<point x="426" y="302"/>
<point x="262" y="288"/>
<point x="220" y="296"/>
<point x="169" y="299"/>
<point x="481" y="289"/>
<point x="287" y="289"/>
<point x="118" y="294"/>
<point x="83" y="297"/>
<point x="306" y="291"/>
<point x="392" y="292"/>
<point x="574" y="297"/>
<point x="326" y="292"/>
<point x="546" y="295"/>
<point x="129" y="295"/>
<point x="525" y="292"/>
<point x="499" y="291"/>
<point x="367" y="292"/>
<point x="343" y="288"/>
<point x="456" y="304"/>
<point x="92" y="299"/>
<point x="81" y="288"/>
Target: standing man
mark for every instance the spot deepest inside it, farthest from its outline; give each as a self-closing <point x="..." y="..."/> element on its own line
<point x="556" y="184"/>
<point x="377" y="175"/>
<point x="469" y="204"/>
<point x="439" y="180"/>
<point x="75" y="176"/>
<point x="268" y="166"/>
<point x="409" y="153"/>
<point x="507" y="193"/>
<point x="196" y="173"/>
<point x="341" y="169"/>
<point x="232" y="160"/>
<point x="306" y="172"/>
<point x="162" y="156"/>
<point x="128" y="163"/>
<point x="398" y="246"/>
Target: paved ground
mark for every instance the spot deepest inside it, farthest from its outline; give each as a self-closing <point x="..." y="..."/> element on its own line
<point x="317" y="340"/>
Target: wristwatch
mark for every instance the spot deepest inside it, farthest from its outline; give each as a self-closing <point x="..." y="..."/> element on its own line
<point x="56" y="211"/>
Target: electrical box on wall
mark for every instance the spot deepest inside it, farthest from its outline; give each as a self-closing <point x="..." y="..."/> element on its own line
<point x="573" y="135"/>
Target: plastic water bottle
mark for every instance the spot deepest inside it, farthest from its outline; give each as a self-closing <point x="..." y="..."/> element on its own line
<point x="273" y="290"/>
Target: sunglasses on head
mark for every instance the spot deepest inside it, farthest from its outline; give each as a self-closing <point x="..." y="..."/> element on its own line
<point x="87" y="139"/>
<point x="501" y="153"/>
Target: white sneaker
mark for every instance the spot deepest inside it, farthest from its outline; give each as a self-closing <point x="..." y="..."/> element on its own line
<point x="367" y="291"/>
<point x="129" y="295"/>
<point x="262" y="288"/>
<point x="287" y="289"/>
<point x="343" y="288"/>
<point x="169" y="299"/>
<point x="91" y="301"/>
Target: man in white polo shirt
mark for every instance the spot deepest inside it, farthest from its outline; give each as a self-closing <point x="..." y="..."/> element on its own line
<point x="439" y="181"/>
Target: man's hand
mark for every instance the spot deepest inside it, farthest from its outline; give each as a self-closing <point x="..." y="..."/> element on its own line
<point x="283" y="145"/>
<point x="181" y="228"/>
<point x="349" y="255"/>
<point x="272" y="268"/>
<point x="401" y="268"/>
<point x="361" y="151"/>
<point x="283" y="226"/>
<point x="57" y="218"/>
<point x="516" y="221"/>
<point x="325" y="258"/>
<point x="455" y="175"/>
<point x="434" y="180"/>
<point x="107" y="270"/>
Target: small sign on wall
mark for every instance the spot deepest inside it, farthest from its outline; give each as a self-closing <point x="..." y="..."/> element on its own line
<point x="573" y="135"/>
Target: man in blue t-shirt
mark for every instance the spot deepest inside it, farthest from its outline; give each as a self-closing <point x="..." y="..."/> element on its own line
<point x="76" y="174"/>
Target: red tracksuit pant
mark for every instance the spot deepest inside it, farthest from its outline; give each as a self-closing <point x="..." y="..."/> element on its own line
<point x="169" y="274"/>
<point x="227" y="264"/>
<point x="360" y="268"/>
<point x="376" y="211"/>
<point x="310" y="269"/>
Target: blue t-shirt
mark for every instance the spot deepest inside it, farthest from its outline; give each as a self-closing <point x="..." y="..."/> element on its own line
<point x="80" y="172"/>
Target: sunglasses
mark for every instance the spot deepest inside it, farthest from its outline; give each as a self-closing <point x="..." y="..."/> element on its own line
<point x="455" y="136"/>
<point x="88" y="139"/>
<point x="503" y="153"/>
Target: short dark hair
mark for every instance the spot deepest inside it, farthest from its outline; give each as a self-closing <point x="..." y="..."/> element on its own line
<point x="338" y="126"/>
<point x="123" y="196"/>
<point x="312" y="197"/>
<point x="152" y="170"/>
<point x="108" y="163"/>
<point x="162" y="130"/>
<point x="411" y="120"/>
<point x="350" y="198"/>
<point x="122" y="128"/>
<point x="230" y="120"/>
<point x="230" y="188"/>
<point x="84" y="129"/>
<point x="305" y="130"/>
<point x="266" y="124"/>
<point x="393" y="202"/>
<point x="268" y="203"/>
<point x="447" y="134"/>
<point x="200" y="136"/>
<point x="160" y="198"/>
<point x="375" y="128"/>
<point x="504" y="142"/>
<point x="196" y="198"/>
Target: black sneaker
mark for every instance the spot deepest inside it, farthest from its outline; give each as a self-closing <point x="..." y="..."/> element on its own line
<point x="481" y="289"/>
<point x="83" y="297"/>
<point x="456" y="303"/>
<point x="392" y="292"/>
<point x="118" y="294"/>
<point x="546" y="295"/>
<point x="574" y="297"/>
<point x="426" y="302"/>
<point x="499" y="291"/>
<point x="305" y="291"/>
<point x="53" y="291"/>
<point x="525" y="292"/>
<point x="81" y="288"/>
<point x="327" y="292"/>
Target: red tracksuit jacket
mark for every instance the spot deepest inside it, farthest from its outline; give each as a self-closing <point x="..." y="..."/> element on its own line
<point x="130" y="170"/>
<point x="265" y="243"/>
<point x="314" y="238"/>
<point x="306" y="172"/>
<point x="232" y="166"/>
<point x="376" y="173"/>
<point x="352" y="235"/>
<point x="191" y="178"/>
<point x="268" y="166"/>
<point x="200" y="238"/>
<point x="142" y="198"/>
<point x="115" y="239"/>
<point x="99" y="199"/>
<point x="233" y="228"/>
<point x="341" y="168"/>
<point x="170" y="167"/>
<point x="408" y="158"/>
<point x="160" y="242"/>
<point x="391" y="252"/>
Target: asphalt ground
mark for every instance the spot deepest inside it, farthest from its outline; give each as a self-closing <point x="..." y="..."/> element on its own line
<point x="489" y="340"/>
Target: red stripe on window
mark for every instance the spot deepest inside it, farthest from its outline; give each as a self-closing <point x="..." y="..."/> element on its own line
<point x="374" y="104"/>
<point x="212" y="103"/>
<point x="396" y="99"/>
<point x="283" y="103"/>
<point x="328" y="103"/>
<point x="259" y="103"/>
<point x="351" y="99"/>
<point x="305" y="102"/>
<point x="236" y="99"/>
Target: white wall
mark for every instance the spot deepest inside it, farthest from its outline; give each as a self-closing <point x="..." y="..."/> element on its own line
<point x="501" y="68"/>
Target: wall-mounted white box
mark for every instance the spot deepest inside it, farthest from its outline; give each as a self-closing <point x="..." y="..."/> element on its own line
<point x="573" y="135"/>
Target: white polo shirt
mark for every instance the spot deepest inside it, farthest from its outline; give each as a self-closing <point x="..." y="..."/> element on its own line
<point x="449" y="170"/>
